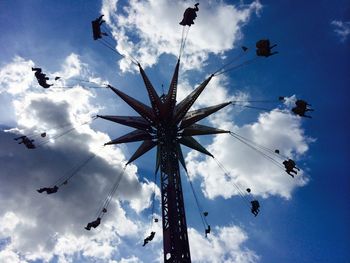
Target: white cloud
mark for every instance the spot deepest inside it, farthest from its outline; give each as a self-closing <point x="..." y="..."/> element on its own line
<point x="224" y="244"/>
<point x="148" y="29"/>
<point x="9" y="256"/>
<point x="128" y="260"/>
<point x="41" y="226"/>
<point x="341" y="28"/>
<point x="274" y="130"/>
<point x="72" y="66"/>
<point x="16" y="77"/>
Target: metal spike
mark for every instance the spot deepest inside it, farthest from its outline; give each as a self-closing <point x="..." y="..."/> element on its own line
<point x="146" y="146"/>
<point x="196" y="129"/>
<point x="193" y="116"/>
<point x="133" y="136"/>
<point x="192" y="143"/>
<point x="131" y="121"/>
<point x="145" y="111"/>
<point x="152" y="94"/>
<point x="182" y="108"/>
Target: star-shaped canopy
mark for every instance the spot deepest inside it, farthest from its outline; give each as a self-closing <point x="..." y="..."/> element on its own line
<point x="165" y="114"/>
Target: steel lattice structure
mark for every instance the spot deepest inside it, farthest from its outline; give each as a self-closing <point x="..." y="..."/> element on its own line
<point x="166" y="125"/>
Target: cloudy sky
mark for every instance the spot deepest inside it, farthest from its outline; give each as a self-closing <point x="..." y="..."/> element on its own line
<point x="304" y="219"/>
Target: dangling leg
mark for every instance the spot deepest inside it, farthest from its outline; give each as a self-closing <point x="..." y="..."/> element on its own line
<point x="88" y="227"/>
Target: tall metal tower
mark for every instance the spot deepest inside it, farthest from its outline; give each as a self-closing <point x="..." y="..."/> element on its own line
<point x="167" y="125"/>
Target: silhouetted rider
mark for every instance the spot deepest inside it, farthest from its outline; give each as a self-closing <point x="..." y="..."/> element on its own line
<point x="93" y="224"/>
<point x="149" y="238"/>
<point x="255" y="207"/>
<point x="189" y="15"/>
<point x="48" y="190"/>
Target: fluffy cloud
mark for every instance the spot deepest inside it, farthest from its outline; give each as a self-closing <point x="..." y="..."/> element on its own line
<point x="16" y="77"/>
<point x="222" y="245"/>
<point x="37" y="226"/>
<point x="41" y="226"/>
<point x="148" y="29"/>
<point x="248" y="168"/>
<point x="341" y="28"/>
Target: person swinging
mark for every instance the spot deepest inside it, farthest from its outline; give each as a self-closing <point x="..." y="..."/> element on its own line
<point x="96" y="27"/>
<point x="301" y="108"/>
<point x="48" y="190"/>
<point x="255" y="207"/>
<point x="41" y="78"/>
<point x="290" y="165"/>
<point x="148" y="239"/>
<point x="264" y="48"/>
<point x="26" y="141"/>
<point x="93" y="224"/>
<point x="190" y="15"/>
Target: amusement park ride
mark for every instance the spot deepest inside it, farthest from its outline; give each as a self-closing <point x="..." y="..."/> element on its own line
<point x="166" y="125"/>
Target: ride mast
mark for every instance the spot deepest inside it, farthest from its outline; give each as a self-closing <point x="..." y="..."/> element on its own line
<point x="167" y="125"/>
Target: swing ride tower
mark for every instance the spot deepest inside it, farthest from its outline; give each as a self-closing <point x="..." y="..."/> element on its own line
<point x="175" y="237"/>
<point x="166" y="125"/>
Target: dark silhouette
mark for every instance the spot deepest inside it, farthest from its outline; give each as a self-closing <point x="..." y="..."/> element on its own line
<point x="277" y="151"/>
<point x="169" y="118"/>
<point x="48" y="190"/>
<point x="41" y="78"/>
<point x="300" y="112"/>
<point x="149" y="238"/>
<point x="96" y="28"/>
<point x="93" y="224"/>
<point x="205" y="213"/>
<point x="207" y="231"/>
<point x="39" y="74"/>
<point x="189" y="15"/>
<point x="156" y="220"/>
<point x="302" y="104"/>
<point x="290" y="166"/>
<point x="244" y="48"/>
<point x="255" y="207"/>
<point x="264" y="48"/>
<point x="104" y="210"/>
<point x="248" y="190"/>
<point x="26" y="141"/>
<point x="301" y="108"/>
<point x="281" y="98"/>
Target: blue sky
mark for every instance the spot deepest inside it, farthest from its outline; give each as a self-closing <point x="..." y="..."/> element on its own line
<point x="301" y="220"/>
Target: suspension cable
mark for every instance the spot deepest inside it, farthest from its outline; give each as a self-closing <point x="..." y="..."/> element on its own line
<point x="259" y="151"/>
<point x="110" y="44"/>
<point x="182" y="39"/>
<point x="59" y="127"/>
<point x="64" y="133"/>
<point x="241" y="193"/>
<point x="106" y="45"/>
<point x="184" y="42"/>
<point x="199" y="207"/>
<point x="230" y="62"/>
<point x="261" y="147"/>
<point x="236" y="67"/>
<point x="91" y="82"/>
<point x="257" y="108"/>
<point x="107" y="200"/>
<point x="255" y="101"/>
<point x="128" y="56"/>
<point x="153" y="198"/>
<point x="65" y="178"/>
